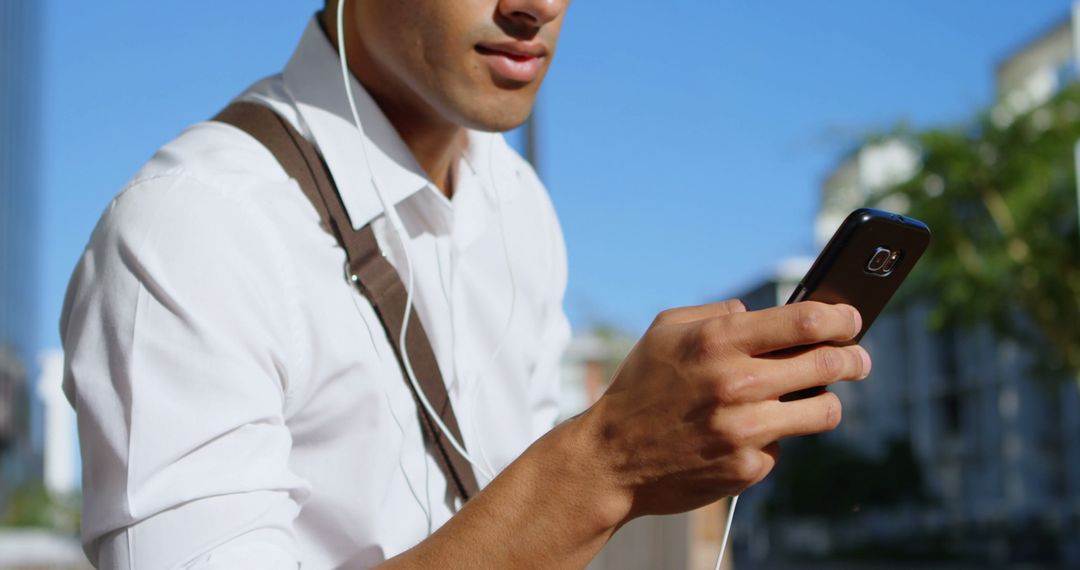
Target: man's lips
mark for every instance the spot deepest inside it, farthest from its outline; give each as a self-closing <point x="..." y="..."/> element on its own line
<point x="516" y="61"/>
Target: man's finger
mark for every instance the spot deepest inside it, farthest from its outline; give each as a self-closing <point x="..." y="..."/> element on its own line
<point x="758" y="425"/>
<point x="804" y="417"/>
<point x="818" y="366"/>
<point x="700" y="312"/>
<point x="802" y="324"/>
<point x="768" y="379"/>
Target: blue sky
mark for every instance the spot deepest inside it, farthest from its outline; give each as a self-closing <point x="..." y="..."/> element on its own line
<point x="683" y="145"/>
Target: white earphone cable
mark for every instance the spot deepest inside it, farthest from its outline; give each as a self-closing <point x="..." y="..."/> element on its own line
<point x="727" y="530"/>
<point x="395" y="222"/>
<point x="399" y="230"/>
<point x="476" y="383"/>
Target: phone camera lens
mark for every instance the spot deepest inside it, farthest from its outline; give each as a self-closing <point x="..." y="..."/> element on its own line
<point x="891" y="262"/>
<point x="878" y="260"/>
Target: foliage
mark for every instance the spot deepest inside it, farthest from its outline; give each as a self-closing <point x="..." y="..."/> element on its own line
<point x="1002" y="204"/>
<point x="33" y="506"/>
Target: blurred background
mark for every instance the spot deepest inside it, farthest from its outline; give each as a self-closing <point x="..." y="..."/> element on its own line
<point x="694" y="151"/>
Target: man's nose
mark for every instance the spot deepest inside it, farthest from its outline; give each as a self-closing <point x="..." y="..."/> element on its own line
<point x="532" y="12"/>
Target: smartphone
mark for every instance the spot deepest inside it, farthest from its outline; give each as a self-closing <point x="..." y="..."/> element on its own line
<point x="862" y="265"/>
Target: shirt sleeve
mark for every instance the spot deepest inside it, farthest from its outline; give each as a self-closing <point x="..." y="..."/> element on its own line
<point x="177" y="331"/>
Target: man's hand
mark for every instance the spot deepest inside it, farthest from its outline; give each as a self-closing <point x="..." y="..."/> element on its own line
<point x="693" y="414"/>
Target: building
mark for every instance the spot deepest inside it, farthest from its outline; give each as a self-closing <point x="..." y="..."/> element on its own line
<point x="54" y="544"/>
<point x="860" y="178"/>
<point x="60" y="461"/>
<point x="1031" y="75"/>
<point x="996" y="447"/>
<point x="20" y="50"/>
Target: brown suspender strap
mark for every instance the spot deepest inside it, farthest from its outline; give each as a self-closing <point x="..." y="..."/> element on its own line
<point x="376" y="278"/>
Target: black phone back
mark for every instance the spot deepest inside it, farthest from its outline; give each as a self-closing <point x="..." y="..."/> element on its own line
<point x="865" y="262"/>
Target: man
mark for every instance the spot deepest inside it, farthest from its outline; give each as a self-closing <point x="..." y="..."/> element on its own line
<point x="239" y="401"/>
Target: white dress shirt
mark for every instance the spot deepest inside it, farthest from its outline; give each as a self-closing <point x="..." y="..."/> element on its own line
<point x="239" y="404"/>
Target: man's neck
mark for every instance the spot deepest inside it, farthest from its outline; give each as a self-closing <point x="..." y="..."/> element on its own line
<point x="436" y="148"/>
<point x="435" y="143"/>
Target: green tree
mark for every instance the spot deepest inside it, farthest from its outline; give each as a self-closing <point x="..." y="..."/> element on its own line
<point x="1002" y="204"/>
<point x="31" y="505"/>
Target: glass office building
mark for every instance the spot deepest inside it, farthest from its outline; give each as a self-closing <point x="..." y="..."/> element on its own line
<point x="20" y="52"/>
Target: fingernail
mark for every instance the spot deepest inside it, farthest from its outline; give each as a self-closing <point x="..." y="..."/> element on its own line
<point x="858" y="322"/>
<point x="866" y="363"/>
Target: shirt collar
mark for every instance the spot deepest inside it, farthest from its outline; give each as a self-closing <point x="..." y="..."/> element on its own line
<point x="490" y="159"/>
<point x="312" y="79"/>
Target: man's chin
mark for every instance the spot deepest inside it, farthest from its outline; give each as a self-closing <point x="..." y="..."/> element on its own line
<point x="496" y="116"/>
